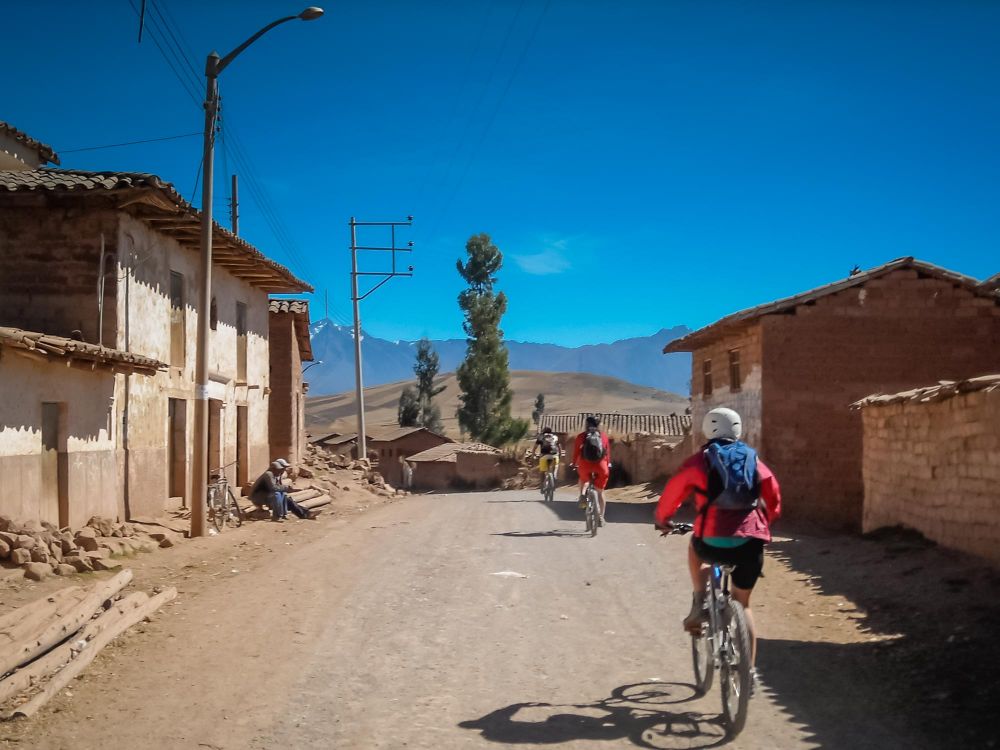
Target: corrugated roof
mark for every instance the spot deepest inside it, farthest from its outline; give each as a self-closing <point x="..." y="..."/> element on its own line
<point x="448" y="452"/>
<point x="159" y="205"/>
<point x="621" y="424"/>
<point x="334" y="438"/>
<point x="939" y="392"/>
<point x="51" y="347"/>
<point x="703" y="335"/>
<point x="300" y="309"/>
<point x="44" y="150"/>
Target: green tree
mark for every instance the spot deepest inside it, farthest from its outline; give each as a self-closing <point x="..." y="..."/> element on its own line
<point x="484" y="376"/>
<point x="409" y="408"/>
<point x="426" y="369"/>
<point x="536" y="415"/>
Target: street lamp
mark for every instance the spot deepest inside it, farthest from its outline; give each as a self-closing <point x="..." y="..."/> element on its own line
<point x="311" y="364"/>
<point x="214" y="65"/>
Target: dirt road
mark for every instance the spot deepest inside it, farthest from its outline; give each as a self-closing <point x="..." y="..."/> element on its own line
<point x="457" y="621"/>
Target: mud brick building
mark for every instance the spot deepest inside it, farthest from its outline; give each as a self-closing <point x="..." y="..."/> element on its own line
<point x="289" y="346"/>
<point x="111" y="259"/>
<point x="793" y="367"/>
<point x="393" y="445"/>
<point x="932" y="463"/>
<point x="456" y="465"/>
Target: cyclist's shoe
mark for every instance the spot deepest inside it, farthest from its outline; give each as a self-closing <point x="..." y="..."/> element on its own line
<point x="583" y="502"/>
<point x="697" y="616"/>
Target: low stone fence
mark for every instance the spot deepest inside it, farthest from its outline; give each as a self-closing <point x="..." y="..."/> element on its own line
<point x="932" y="463"/>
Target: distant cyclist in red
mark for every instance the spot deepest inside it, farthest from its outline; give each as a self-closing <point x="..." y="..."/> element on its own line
<point x="592" y="455"/>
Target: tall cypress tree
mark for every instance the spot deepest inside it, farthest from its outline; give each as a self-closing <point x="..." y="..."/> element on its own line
<point x="426" y="369"/>
<point x="484" y="376"/>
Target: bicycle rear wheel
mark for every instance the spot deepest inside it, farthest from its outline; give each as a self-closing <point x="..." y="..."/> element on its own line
<point x="235" y="512"/>
<point x="735" y="672"/>
<point x="550" y="487"/>
<point x="704" y="663"/>
<point x="592" y="512"/>
<point x="215" y="510"/>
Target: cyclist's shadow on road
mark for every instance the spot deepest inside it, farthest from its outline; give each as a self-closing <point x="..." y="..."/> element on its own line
<point x="642" y="713"/>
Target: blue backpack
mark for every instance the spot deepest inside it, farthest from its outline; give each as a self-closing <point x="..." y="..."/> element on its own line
<point x="732" y="476"/>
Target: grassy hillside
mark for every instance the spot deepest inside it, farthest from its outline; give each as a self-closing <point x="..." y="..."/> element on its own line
<point x="565" y="393"/>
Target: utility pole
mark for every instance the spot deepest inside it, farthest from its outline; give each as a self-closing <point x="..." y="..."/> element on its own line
<point x="234" y="206"/>
<point x="356" y="299"/>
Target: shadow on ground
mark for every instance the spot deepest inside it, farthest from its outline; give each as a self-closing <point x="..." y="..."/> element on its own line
<point x="650" y="715"/>
<point x="566" y="509"/>
<point x="932" y="657"/>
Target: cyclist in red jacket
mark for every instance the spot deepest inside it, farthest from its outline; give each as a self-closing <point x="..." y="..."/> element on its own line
<point x="592" y="455"/>
<point x="728" y="529"/>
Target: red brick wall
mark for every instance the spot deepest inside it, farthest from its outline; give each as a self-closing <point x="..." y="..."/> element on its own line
<point x="894" y="333"/>
<point x="389" y="454"/>
<point x="285" y="381"/>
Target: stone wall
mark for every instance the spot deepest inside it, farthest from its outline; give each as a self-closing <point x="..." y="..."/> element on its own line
<point x="935" y="467"/>
<point x="646" y="458"/>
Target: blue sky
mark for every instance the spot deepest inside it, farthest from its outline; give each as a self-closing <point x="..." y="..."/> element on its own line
<point x="673" y="161"/>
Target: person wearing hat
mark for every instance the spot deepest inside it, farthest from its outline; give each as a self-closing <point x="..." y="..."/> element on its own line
<point x="269" y="491"/>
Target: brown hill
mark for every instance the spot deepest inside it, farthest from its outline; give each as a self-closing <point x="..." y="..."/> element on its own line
<point x="565" y="393"/>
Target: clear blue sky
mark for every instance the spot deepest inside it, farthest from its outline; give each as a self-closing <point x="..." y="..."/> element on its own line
<point x="675" y="161"/>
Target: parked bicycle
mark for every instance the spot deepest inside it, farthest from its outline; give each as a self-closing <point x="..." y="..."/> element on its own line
<point x="722" y="644"/>
<point x="223" y="507"/>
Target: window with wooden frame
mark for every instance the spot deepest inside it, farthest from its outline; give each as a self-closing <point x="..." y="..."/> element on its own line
<point x="706" y="378"/>
<point x="735" y="377"/>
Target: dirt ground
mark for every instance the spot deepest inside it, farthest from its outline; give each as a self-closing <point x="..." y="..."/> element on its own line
<point x="392" y="624"/>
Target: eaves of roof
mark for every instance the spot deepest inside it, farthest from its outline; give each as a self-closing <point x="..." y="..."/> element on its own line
<point x="709" y="333"/>
<point x="43" y="347"/>
<point x="162" y="208"/>
<point x="45" y="151"/>
<point x="299" y="308"/>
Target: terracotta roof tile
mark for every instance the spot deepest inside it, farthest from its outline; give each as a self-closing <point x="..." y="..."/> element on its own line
<point x="57" y="346"/>
<point x="172" y="216"/>
<point x="300" y="309"/>
<point x="620" y="424"/>
<point x="44" y="150"/>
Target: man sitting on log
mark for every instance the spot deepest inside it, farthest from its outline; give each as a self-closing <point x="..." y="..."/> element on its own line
<point x="270" y="492"/>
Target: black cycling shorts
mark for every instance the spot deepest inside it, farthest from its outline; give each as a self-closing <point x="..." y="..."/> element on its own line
<point x="747" y="559"/>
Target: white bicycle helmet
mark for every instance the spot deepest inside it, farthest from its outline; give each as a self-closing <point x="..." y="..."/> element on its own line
<point x="722" y="423"/>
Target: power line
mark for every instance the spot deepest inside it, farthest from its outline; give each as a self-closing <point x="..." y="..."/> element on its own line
<point x="128" y="143"/>
<point x="156" y="35"/>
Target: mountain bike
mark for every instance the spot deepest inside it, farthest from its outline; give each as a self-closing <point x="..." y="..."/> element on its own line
<point x="592" y="513"/>
<point x="223" y="507"/>
<point x="549" y="480"/>
<point x="722" y="644"/>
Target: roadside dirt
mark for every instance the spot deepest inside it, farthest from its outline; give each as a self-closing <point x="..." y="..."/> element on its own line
<point x="388" y="626"/>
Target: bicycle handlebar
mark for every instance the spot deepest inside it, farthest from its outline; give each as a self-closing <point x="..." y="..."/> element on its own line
<point x="678" y="529"/>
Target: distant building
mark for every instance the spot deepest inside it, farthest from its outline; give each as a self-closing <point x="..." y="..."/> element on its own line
<point x="393" y="445"/>
<point x="793" y="367"/>
<point x="111" y="260"/>
<point x="288" y="346"/>
<point x="455" y="465"/>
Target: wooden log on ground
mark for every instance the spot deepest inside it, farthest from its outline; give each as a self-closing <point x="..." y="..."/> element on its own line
<point x="31" y="674"/>
<point x="316" y="502"/>
<point x="19" y="623"/>
<point x="303" y="495"/>
<point x="69" y="618"/>
<point x="64" y="676"/>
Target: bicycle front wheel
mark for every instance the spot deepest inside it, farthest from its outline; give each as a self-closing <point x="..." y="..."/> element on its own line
<point x="235" y="511"/>
<point x="736" y="666"/>
<point x="215" y="510"/>
<point x="593" y="512"/>
<point x="704" y="662"/>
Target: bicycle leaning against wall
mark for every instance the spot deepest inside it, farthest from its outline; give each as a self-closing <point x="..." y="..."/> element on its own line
<point x="223" y="507"/>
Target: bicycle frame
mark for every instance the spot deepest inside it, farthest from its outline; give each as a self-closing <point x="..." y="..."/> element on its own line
<point x="717" y="592"/>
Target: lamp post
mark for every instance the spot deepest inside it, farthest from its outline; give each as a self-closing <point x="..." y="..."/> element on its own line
<point x="311" y="364"/>
<point x="214" y="65"/>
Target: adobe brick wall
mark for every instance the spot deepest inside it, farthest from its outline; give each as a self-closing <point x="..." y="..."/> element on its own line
<point x="935" y="467"/>
<point x="286" y="369"/>
<point x="389" y="454"/>
<point x="49" y="259"/>
<point x="746" y="399"/>
<point x="894" y="333"/>
<point x="645" y="458"/>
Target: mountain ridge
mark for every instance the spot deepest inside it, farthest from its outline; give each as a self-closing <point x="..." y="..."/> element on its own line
<point x="637" y="359"/>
